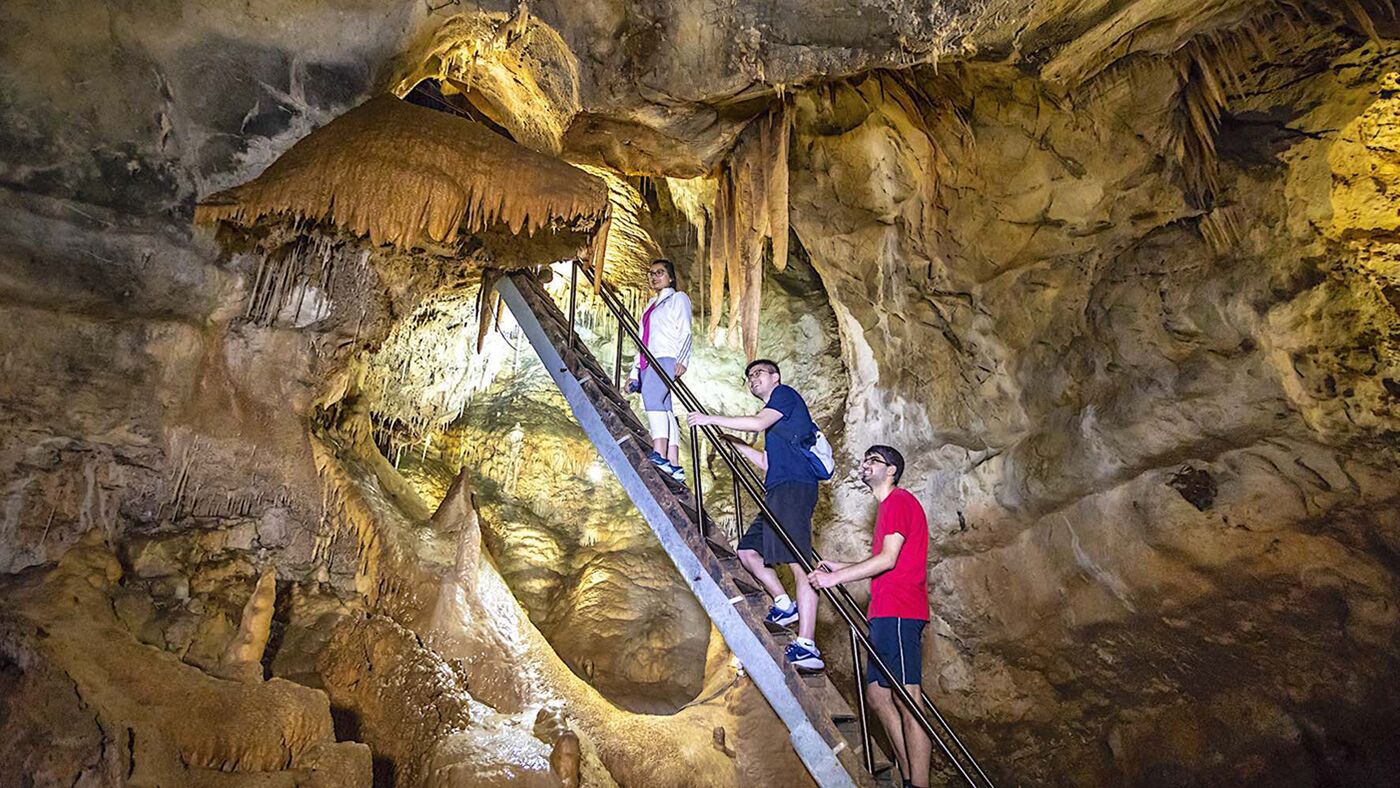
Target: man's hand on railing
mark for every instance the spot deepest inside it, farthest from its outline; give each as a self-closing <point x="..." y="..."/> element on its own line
<point x="758" y="458"/>
<point x="680" y="369"/>
<point x="824" y="576"/>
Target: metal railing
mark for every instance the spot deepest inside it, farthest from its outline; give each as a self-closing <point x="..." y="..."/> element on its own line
<point x="746" y="481"/>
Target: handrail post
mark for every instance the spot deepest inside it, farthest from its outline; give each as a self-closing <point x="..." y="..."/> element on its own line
<point x="573" y="302"/>
<point x="699" y="485"/>
<point x="738" y="509"/>
<point x="617" y="360"/>
<point x="859" y="670"/>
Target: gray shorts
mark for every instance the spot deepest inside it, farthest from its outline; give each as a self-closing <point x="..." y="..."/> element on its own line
<point x="655" y="395"/>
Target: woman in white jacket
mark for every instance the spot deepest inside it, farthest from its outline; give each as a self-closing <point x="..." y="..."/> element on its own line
<point x="666" y="333"/>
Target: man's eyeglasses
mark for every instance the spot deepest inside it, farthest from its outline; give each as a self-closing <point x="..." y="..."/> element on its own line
<point x="756" y="373"/>
<point x="872" y="461"/>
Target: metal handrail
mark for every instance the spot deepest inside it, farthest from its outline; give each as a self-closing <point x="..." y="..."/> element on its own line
<point x="689" y="399"/>
<point x="748" y="480"/>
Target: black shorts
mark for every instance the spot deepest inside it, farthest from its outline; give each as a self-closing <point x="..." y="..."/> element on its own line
<point x="899" y="642"/>
<point x="792" y="503"/>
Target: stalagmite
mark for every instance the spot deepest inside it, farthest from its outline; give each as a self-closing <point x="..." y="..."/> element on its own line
<point x="564" y="759"/>
<point x="242" y="660"/>
<point x="552" y="728"/>
<point x="457" y="514"/>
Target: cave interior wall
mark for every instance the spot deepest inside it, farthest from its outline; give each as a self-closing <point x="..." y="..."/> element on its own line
<point x="1119" y="278"/>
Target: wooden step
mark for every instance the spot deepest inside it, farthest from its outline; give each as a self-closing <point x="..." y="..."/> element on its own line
<point x="749" y="588"/>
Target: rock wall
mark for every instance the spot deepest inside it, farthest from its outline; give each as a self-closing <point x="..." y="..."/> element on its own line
<point x="1118" y="277"/>
<point x="1153" y="439"/>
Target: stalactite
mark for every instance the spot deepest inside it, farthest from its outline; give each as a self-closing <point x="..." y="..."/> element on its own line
<point x="751" y="207"/>
<point x="288" y="268"/>
<point x="776" y="131"/>
<point x="486" y="305"/>
<point x="1363" y="18"/>
<point x="720" y="247"/>
<point x="399" y="173"/>
<point x="1212" y="66"/>
<point x="1203" y="68"/>
<point x="622" y="243"/>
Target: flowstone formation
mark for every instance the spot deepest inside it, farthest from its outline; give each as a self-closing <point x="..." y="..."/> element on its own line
<point x="286" y="500"/>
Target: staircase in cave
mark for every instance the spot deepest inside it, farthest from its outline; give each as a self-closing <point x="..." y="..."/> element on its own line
<point x="823" y="728"/>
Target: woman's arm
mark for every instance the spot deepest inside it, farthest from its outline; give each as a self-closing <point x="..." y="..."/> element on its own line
<point x="685" y="316"/>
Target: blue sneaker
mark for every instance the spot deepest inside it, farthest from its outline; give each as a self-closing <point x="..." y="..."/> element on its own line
<point x="803" y="658"/>
<point x="676" y="471"/>
<point x="660" y="462"/>
<point x="781" y="617"/>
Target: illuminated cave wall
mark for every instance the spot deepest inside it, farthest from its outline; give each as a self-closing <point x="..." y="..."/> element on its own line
<point x="1119" y="277"/>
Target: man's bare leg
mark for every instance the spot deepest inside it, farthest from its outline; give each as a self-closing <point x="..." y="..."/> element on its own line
<point x="806" y="603"/>
<point x="916" y="740"/>
<point x="882" y="701"/>
<point x="766" y="575"/>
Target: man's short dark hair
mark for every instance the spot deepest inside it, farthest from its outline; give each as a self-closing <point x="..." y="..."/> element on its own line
<point x="890" y="455"/>
<point x="763" y="362"/>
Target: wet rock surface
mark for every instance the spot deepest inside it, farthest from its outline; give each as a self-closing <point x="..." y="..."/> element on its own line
<point x="1119" y="278"/>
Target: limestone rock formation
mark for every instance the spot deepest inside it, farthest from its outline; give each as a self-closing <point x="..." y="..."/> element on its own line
<point x="1118" y="276"/>
<point x="242" y="660"/>
<point x="136" y="712"/>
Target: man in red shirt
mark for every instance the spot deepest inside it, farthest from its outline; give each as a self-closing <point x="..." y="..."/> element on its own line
<point x="898" y="568"/>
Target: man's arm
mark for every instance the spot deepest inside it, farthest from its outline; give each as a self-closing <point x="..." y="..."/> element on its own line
<point x="756" y="423"/>
<point x="874" y="565"/>
<point x="758" y="458"/>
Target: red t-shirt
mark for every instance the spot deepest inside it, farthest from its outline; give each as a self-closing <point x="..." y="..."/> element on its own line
<point x="901" y="592"/>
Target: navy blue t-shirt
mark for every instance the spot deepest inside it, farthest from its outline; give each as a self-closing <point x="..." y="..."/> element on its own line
<point x="782" y="441"/>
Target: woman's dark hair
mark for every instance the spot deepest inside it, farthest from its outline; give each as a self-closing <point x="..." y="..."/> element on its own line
<point x="670" y="270"/>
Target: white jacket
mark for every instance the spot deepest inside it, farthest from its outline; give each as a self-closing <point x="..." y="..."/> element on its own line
<point x="669" y="336"/>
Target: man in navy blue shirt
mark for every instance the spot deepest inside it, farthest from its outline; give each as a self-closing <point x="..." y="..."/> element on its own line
<point x="790" y="492"/>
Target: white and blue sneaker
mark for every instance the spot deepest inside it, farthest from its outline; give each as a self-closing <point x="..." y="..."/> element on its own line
<point x="664" y="465"/>
<point x="676" y="471"/>
<point x="804" y="657"/>
<point x="780" y="616"/>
